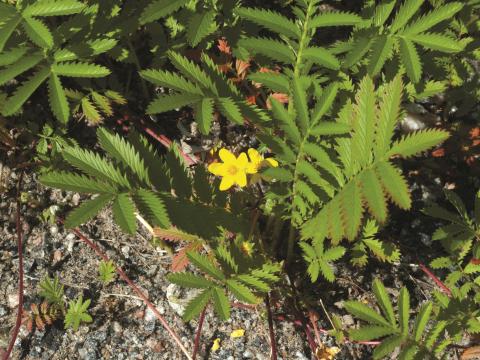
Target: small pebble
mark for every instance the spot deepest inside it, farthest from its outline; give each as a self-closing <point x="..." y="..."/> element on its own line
<point x="54" y="230"/>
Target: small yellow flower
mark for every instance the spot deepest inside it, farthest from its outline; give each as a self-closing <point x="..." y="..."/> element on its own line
<point x="216" y="345"/>
<point x="257" y="161"/>
<point x="247" y="248"/>
<point x="237" y="333"/>
<point x="233" y="170"/>
<point x="326" y="353"/>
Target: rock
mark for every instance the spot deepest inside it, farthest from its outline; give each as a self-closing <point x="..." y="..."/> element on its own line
<point x="75" y="199"/>
<point x="53" y="230"/>
<point x="117" y="327"/>
<point x="13" y="300"/>
<point x="126" y="251"/>
<point x="300" y="356"/>
<point x="247" y="354"/>
<point x="149" y="315"/>
<point x="347" y="320"/>
<point x="179" y="297"/>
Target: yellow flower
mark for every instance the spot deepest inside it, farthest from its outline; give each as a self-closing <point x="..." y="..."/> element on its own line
<point x="233" y="170"/>
<point x="247" y="248"/>
<point x="257" y="161"/>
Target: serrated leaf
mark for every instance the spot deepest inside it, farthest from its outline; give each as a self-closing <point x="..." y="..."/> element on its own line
<point x="324" y="104"/>
<point x="381" y="50"/>
<point x="58" y="99"/>
<point x="330" y="128"/>
<point x="197" y="304"/>
<point x="12" y="55"/>
<point x="38" y="32"/>
<point x="404" y="310"/>
<point x="230" y="110"/>
<point x="124" y="213"/>
<point x="441" y="13"/>
<point x="274" y="50"/>
<point x="205" y="264"/>
<point x="170" y="80"/>
<point x="422" y="320"/>
<point x="437" y="42"/>
<point x="394" y="184"/>
<point x="241" y="292"/>
<point x="87" y="211"/>
<point x="191" y="71"/>
<point x="271" y="20"/>
<point x="410" y="59"/>
<point x="417" y="142"/>
<point x="153" y="206"/>
<point x="387" y="346"/>
<point x="53" y="8"/>
<point x="80" y="69"/>
<point x="102" y="102"/>
<point x="334" y="18"/>
<point x="200" y="26"/>
<point x="252" y="281"/>
<point x="370" y="332"/>
<point x="21" y="95"/>
<point x="74" y="182"/>
<point x="384" y="301"/>
<point x="273" y="81"/>
<point x="300" y="104"/>
<point x="373" y="194"/>
<point x="322" y="57"/>
<point x="160" y="9"/>
<point x="404" y="14"/>
<point x="171" y="102"/>
<point x="90" y="111"/>
<point x="221" y="304"/>
<point x="363" y="312"/>
<point x="204" y="115"/>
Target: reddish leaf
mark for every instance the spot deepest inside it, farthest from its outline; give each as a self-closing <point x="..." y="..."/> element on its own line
<point x="223" y="47"/>
<point x="440" y="152"/>
<point x="471" y="353"/>
<point x="180" y="260"/>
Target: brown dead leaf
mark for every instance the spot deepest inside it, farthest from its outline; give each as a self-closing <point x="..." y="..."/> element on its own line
<point x="471" y="353"/>
<point x="180" y="260"/>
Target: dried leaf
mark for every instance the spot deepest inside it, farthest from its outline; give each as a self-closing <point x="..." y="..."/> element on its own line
<point x="471" y="353"/>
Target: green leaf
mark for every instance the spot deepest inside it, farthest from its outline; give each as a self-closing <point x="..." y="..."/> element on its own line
<point x="371" y="332"/>
<point x="205" y="264"/>
<point x="58" y="99"/>
<point x="92" y="164"/>
<point x="191" y="71"/>
<point x="74" y="182"/>
<point x="410" y="59"/>
<point x="80" y="69"/>
<point x="422" y="320"/>
<point x="438" y="42"/>
<point x="252" y="281"/>
<point x="124" y="213"/>
<point x="322" y="57"/>
<point x="124" y="152"/>
<point x="221" y="304"/>
<point x="334" y="18"/>
<point x="351" y="203"/>
<point x="106" y="271"/>
<point x="14" y="102"/>
<point x="417" y="142"/>
<point x="204" y="115"/>
<point x="189" y="280"/>
<point x="54" y="8"/>
<point x="359" y="48"/>
<point x="300" y="103"/>
<point x="324" y="104"/>
<point x="153" y="207"/>
<point x="382" y="12"/>
<point x="363" y="312"/>
<point x="387" y="346"/>
<point x="330" y="128"/>
<point x="394" y="184"/>
<point x="230" y="110"/>
<point x="326" y="270"/>
<point x="441" y="13"/>
<point x="271" y="20"/>
<point x="197" y="304"/>
<point x="102" y="102"/>
<point x="382" y="49"/>
<point x="160" y="9"/>
<point x="200" y="26"/>
<point x="404" y="310"/>
<point x="12" y="55"/>
<point x="8" y="26"/>
<point x="165" y="103"/>
<point x="275" y="82"/>
<point x="87" y="211"/>
<point x="334" y="253"/>
<point x="77" y="313"/>
<point x="287" y="123"/>
<point x="90" y="111"/>
<point x="274" y="50"/>
<point x="241" y="292"/>
<point x="384" y="301"/>
<point x="407" y="10"/>
<point x="373" y="193"/>
<point x="51" y="290"/>
<point x="38" y="32"/>
<point x="170" y="80"/>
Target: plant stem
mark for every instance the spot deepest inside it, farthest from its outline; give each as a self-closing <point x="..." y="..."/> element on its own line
<point x="199" y="332"/>
<point x="273" y="343"/>
<point x="18" y="322"/>
<point x="290" y="245"/>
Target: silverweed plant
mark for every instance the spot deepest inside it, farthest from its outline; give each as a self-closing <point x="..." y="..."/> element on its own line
<point x="320" y="87"/>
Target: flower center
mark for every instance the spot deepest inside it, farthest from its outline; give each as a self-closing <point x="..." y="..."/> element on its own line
<point x="232" y="170"/>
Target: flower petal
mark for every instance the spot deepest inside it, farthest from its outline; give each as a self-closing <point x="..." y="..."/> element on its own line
<point x="242" y="160"/>
<point x="241" y="179"/>
<point x="226" y="183"/>
<point x="272" y="162"/>
<point x="251" y="168"/>
<point x="226" y="155"/>
<point x="215" y="168"/>
<point x="254" y="156"/>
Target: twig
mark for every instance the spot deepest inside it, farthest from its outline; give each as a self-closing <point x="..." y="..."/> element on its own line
<point x="199" y="332"/>
<point x="436" y="280"/>
<point x="135" y="288"/>
<point x="18" y="323"/>
<point x="271" y="332"/>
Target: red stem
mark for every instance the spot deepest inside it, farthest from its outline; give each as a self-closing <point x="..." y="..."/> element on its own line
<point x="135" y="288"/>
<point x="199" y="332"/>
<point x="273" y="343"/>
<point x="436" y="280"/>
<point x="18" y="323"/>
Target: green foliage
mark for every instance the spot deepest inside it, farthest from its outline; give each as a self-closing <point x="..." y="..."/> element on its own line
<point x="77" y="313"/>
<point x="106" y="271"/>
<point x="51" y="290"/>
